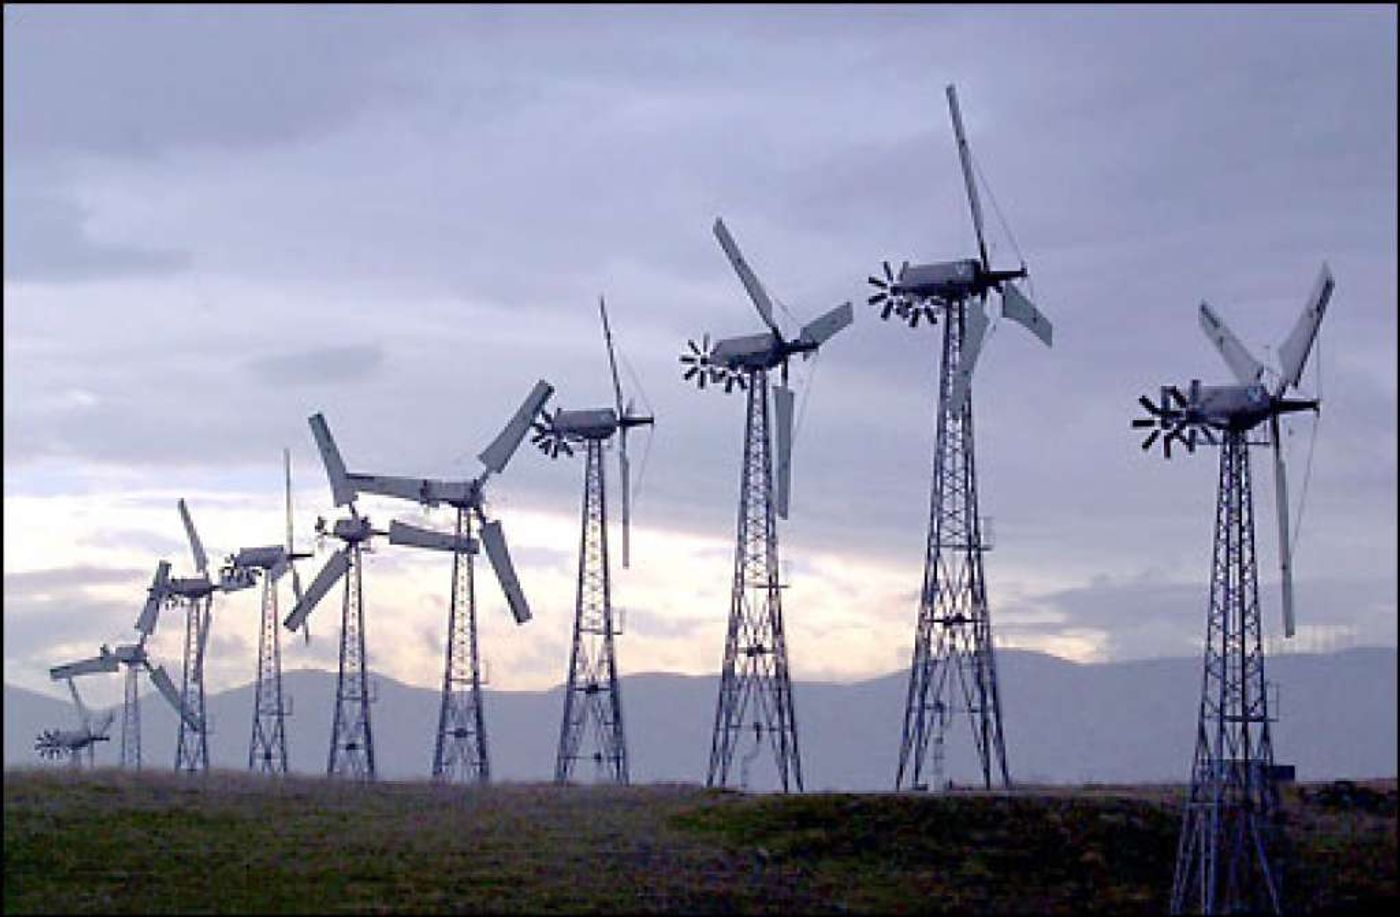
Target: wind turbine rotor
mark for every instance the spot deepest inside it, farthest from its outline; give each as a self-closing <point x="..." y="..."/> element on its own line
<point x="48" y="744"/>
<point x="699" y="363"/>
<point x="546" y="436"/>
<point x="887" y="295"/>
<point x="1166" y="421"/>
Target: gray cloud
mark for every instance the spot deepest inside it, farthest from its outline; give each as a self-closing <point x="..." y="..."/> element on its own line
<point x="321" y="366"/>
<point x="50" y="242"/>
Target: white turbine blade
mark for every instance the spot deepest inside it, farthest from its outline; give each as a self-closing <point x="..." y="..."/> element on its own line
<point x="105" y="723"/>
<point x="330" y="574"/>
<point x="965" y="158"/>
<point x="342" y="491"/>
<point x="1015" y="306"/>
<point x="402" y="533"/>
<point x="201" y="560"/>
<point x="104" y="663"/>
<point x="1285" y="550"/>
<point x="1246" y="369"/>
<point x="612" y="358"/>
<point x="150" y="613"/>
<point x="167" y="689"/>
<point x="78" y="702"/>
<point x="746" y="275"/>
<point x="625" y="472"/>
<point x="495" y="541"/>
<point x="821" y="329"/>
<point x="497" y="455"/>
<point x="296" y="582"/>
<point x="1293" y="353"/>
<point x="974" y="331"/>
<point x="782" y="406"/>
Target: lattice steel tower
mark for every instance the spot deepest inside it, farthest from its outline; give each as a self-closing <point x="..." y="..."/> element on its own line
<point x="460" y="752"/>
<point x="1228" y="853"/>
<point x="755" y="691"/>
<point x="592" y="727"/>
<point x="953" y="671"/>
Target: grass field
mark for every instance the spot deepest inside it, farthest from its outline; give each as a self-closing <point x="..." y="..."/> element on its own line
<point x="114" y="842"/>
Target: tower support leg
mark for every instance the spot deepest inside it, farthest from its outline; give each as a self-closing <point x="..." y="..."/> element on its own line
<point x="592" y="725"/>
<point x="192" y="744"/>
<point x="953" y="672"/>
<point x="755" y="692"/>
<point x="352" y="743"/>
<point x="267" y="750"/>
<point x="131" y="719"/>
<point x="460" y="753"/>
<point x="1230" y="822"/>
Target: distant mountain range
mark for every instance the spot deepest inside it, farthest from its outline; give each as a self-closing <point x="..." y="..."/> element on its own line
<point x="1064" y="723"/>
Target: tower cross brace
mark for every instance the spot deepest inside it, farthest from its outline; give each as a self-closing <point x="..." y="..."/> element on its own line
<point x="755" y="692"/>
<point x="953" y="670"/>
<point x="592" y="726"/>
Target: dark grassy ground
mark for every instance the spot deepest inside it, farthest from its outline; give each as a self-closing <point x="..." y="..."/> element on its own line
<point x="114" y="842"/>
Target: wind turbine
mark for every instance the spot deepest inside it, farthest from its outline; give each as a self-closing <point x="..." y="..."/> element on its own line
<point x="196" y="593"/>
<point x="52" y="743"/>
<point x="954" y="666"/>
<point x="754" y="681"/>
<point x="460" y="750"/>
<point x="593" y="696"/>
<point x="1223" y="861"/>
<point x="267" y="749"/>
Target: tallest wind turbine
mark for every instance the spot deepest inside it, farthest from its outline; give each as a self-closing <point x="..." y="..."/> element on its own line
<point x="954" y="668"/>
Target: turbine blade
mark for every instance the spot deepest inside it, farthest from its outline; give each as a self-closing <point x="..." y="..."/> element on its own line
<point x="495" y="541"/>
<point x="1285" y="550"/>
<point x="201" y="560"/>
<point x="150" y="613"/>
<point x="287" y="477"/>
<point x="103" y="663"/>
<point x="415" y="537"/>
<point x="166" y="687"/>
<point x="1246" y="369"/>
<point x="330" y="574"/>
<point x="1019" y="309"/>
<point x="612" y="358"/>
<point x="1293" y="353"/>
<point x="342" y="491"/>
<point x="741" y="267"/>
<point x="965" y="158"/>
<point x="782" y="406"/>
<point x="625" y="472"/>
<point x="974" y="331"/>
<point x="1151" y="438"/>
<point x="497" y="455"/>
<point x="821" y="329"/>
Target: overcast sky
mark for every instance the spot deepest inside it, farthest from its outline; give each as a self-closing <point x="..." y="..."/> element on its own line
<point x="218" y="221"/>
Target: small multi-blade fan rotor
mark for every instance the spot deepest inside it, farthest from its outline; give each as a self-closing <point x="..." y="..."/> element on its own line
<point x="887" y="299"/>
<point x="47" y="744"/>
<point x="548" y="438"/>
<point x="700" y="366"/>
<point x="1167" y="421"/>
